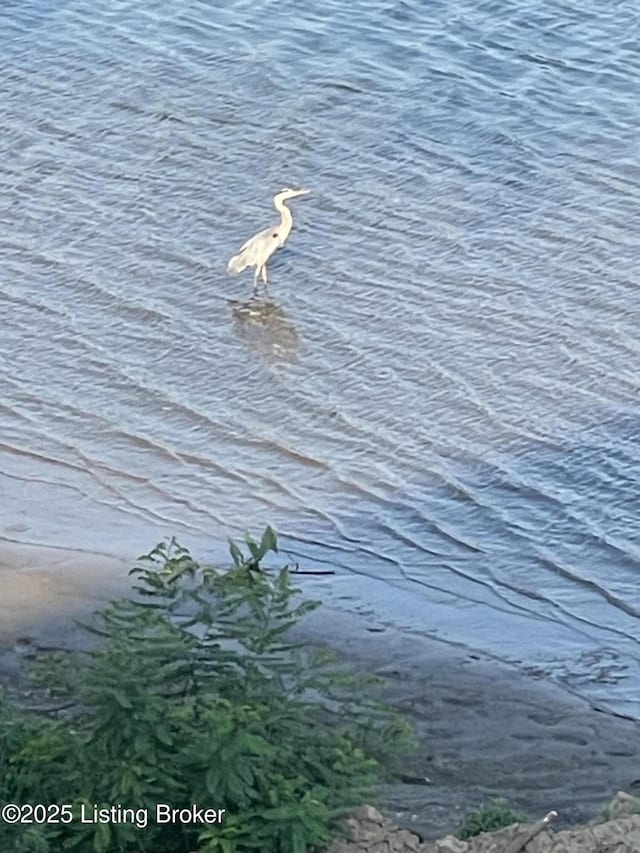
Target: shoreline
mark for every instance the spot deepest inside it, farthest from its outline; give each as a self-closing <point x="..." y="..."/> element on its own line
<point x="44" y="588"/>
<point x="484" y="728"/>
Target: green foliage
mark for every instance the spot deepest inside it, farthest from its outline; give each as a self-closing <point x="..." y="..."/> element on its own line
<point x="492" y="815"/>
<point x="194" y="694"/>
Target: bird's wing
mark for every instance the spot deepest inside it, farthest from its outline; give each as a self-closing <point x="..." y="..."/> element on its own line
<point x="257" y="250"/>
<point x="262" y="237"/>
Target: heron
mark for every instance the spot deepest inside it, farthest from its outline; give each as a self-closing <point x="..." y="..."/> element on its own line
<point x="259" y="248"/>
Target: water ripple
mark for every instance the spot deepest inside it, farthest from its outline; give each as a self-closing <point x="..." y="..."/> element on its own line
<point x="445" y="400"/>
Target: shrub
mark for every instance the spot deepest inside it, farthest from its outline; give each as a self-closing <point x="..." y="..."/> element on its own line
<point x="492" y="815"/>
<point x="195" y="695"/>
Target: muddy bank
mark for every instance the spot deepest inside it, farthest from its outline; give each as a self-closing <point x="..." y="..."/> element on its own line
<point x="485" y="730"/>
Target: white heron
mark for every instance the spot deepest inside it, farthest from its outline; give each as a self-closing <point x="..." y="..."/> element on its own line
<point x="259" y="248"/>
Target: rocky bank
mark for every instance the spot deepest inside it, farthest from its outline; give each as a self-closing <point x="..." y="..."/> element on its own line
<point x="615" y="830"/>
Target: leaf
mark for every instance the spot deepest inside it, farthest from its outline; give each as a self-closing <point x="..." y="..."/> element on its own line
<point x="101" y="837"/>
<point x="122" y="699"/>
<point x="253" y="547"/>
<point x="236" y="553"/>
<point x="212" y="780"/>
<point x="269" y="541"/>
<point x="163" y="735"/>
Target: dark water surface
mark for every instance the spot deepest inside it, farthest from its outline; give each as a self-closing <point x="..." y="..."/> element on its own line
<point x="444" y="404"/>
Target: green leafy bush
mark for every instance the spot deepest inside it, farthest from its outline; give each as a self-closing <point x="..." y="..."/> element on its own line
<point x="194" y="694"/>
<point x="492" y="815"/>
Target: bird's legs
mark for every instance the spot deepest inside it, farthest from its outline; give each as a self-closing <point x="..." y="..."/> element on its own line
<point x="260" y="271"/>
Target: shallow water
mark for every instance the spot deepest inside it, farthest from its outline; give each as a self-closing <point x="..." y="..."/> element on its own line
<point x="443" y="402"/>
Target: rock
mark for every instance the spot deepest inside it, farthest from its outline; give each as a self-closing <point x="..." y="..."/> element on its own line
<point x="367" y="831"/>
<point x="403" y="841"/>
<point x="451" y="844"/>
<point x="368" y="813"/>
<point x="622" y="804"/>
<point x="621" y="835"/>
<point x="617" y="831"/>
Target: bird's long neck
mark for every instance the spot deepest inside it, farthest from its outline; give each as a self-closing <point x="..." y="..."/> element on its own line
<point x="286" y="220"/>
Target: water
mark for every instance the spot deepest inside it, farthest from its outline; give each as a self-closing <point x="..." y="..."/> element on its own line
<point x="442" y="404"/>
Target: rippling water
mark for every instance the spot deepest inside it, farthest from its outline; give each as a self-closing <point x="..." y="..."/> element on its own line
<point x="443" y="401"/>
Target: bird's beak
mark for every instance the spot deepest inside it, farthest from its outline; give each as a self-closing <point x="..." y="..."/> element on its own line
<point x="302" y="192"/>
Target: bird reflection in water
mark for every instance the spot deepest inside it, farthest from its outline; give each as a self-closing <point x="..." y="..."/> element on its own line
<point x="264" y="328"/>
<point x="261" y="323"/>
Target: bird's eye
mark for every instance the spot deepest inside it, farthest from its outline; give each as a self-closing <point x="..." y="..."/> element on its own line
<point x="275" y="235"/>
